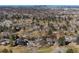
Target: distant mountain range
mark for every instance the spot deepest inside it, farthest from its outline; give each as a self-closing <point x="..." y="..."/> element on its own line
<point x="39" y="6"/>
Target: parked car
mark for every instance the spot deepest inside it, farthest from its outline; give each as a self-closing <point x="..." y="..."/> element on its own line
<point x="20" y="42"/>
<point x="4" y="41"/>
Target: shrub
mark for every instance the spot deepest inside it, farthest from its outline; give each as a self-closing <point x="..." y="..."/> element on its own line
<point x="49" y="32"/>
<point x="70" y="51"/>
<point x="61" y="41"/>
<point x="77" y="41"/>
<point x="12" y="37"/>
<point x="10" y="51"/>
<point x="5" y="50"/>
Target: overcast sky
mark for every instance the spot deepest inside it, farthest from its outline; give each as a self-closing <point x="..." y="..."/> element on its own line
<point x="39" y="2"/>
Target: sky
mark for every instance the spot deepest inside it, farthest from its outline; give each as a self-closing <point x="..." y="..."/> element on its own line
<point x="39" y="2"/>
